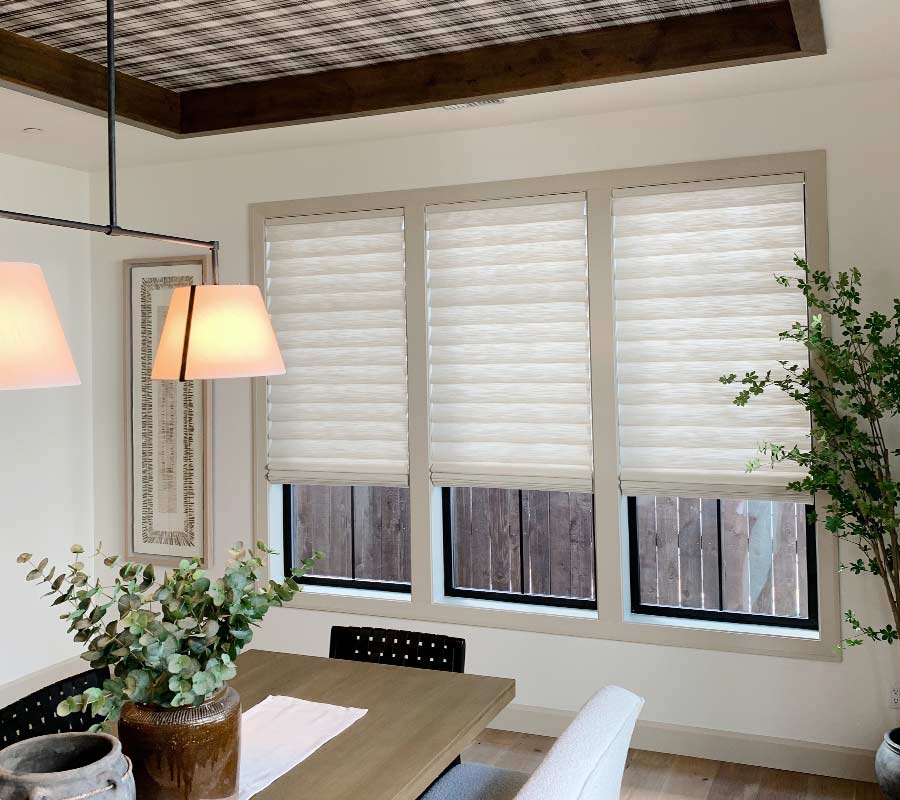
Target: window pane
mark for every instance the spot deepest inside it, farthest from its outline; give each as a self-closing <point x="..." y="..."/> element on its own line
<point x="744" y="556"/>
<point x="531" y="543"/>
<point x="362" y="530"/>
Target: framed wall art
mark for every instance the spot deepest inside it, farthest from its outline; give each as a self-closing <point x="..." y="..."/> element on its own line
<point x="170" y="423"/>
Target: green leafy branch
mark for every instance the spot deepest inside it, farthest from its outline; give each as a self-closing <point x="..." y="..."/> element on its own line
<point x="850" y="387"/>
<point x="168" y="642"/>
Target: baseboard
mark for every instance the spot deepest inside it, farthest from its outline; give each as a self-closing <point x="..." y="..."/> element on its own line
<point x="19" y="688"/>
<point x="814" y="758"/>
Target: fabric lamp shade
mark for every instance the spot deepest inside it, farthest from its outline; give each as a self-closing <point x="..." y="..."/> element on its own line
<point x="217" y="332"/>
<point x="34" y="352"/>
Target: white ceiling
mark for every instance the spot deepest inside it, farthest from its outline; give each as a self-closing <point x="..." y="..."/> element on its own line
<point x="862" y="37"/>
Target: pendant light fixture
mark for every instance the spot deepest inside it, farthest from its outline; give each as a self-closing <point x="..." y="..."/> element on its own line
<point x="210" y="331"/>
<point x="34" y="353"/>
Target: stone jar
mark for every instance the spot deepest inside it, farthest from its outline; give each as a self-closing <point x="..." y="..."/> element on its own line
<point x="887" y="765"/>
<point x="186" y="753"/>
<point x="66" y="766"/>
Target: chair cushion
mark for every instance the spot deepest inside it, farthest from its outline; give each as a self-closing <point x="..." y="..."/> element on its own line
<point x="476" y="782"/>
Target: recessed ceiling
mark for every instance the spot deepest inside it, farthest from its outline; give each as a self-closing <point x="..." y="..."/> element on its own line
<point x="189" y="67"/>
<point x="193" y="45"/>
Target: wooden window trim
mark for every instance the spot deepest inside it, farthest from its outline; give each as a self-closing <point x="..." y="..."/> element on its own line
<point x="612" y="619"/>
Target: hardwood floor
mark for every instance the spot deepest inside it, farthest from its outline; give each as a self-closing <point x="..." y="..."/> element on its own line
<point x="657" y="776"/>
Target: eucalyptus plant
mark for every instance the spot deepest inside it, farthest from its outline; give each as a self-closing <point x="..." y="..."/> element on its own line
<point x="168" y="642"/>
<point x="851" y="389"/>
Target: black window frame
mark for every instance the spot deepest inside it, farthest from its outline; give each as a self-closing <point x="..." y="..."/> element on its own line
<point x="811" y="623"/>
<point x="395" y="587"/>
<point x="450" y="590"/>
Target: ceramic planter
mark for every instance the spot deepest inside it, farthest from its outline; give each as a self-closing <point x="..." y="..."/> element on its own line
<point x="187" y="753"/>
<point x="62" y="766"/>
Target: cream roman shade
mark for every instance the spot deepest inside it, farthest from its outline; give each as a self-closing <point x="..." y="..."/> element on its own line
<point x="509" y="366"/>
<point x="696" y="298"/>
<point x="336" y="292"/>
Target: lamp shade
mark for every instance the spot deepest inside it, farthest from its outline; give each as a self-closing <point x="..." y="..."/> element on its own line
<point x="217" y="332"/>
<point x="34" y="352"/>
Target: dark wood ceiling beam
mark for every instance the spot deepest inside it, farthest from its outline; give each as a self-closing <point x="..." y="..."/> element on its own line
<point x="810" y="29"/>
<point x="40" y="69"/>
<point x="742" y="35"/>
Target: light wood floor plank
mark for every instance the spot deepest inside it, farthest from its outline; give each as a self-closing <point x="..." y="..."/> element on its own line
<point x="657" y="776"/>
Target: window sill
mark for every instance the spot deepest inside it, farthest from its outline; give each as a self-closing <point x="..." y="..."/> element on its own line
<point x="351" y="592"/>
<point x="725" y="627"/>
<point x="516" y="608"/>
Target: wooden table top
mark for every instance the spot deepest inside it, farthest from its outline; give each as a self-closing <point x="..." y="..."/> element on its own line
<point x="418" y="721"/>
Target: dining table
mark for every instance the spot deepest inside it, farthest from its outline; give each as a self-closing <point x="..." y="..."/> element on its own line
<point x="417" y="722"/>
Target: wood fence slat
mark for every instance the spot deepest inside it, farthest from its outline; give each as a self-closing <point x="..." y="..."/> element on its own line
<point x="802" y="573"/>
<point x="461" y="500"/>
<point x="581" y="509"/>
<point x="735" y="567"/>
<point x="536" y="541"/>
<point x="760" y="546"/>
<point x="481" y="539"/>
<point x="646" y="530"/>
<point x="689" y="552"/>
<point x="709" y="546"/>
<point x="505" y="533"/>
<point x="366" y="545"/>
<point x="667" y="550"/>
<point x="784" y="569"/>
<point x="405" y="569"/>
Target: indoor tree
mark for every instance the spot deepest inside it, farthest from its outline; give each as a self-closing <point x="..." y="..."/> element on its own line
<point x="851" y="389"/>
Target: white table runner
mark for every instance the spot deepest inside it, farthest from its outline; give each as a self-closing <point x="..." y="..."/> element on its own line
<point x="280" y="732"/>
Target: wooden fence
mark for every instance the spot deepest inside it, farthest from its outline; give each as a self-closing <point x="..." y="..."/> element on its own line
<point x="755" y="564"/>
<point x="534" y="542"/>
<point x="362" y="530"/>
<point x="503" y="540"/>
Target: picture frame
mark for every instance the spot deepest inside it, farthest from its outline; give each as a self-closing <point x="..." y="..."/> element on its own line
<point x="169" y="426"/>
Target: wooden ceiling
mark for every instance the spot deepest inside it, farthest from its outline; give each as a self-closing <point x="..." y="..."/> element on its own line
<point x="189" y="68"/>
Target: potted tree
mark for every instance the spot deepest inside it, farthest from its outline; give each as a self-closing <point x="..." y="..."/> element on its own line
<point x="851" y="389"/>
<point x="170" y="645"/>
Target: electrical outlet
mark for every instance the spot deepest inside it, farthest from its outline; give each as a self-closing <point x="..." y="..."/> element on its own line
<point x="894" y="698"/>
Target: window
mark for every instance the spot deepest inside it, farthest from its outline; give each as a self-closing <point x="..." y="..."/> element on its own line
<point x="503" y="405"/>
<point x="337" y="420"/>
<point x="363" y="532"/>
<point x="695" y="299"/>
<point x="509" y="368"/>
<point x="516" y="545"/>
<point x="750" y="561"/>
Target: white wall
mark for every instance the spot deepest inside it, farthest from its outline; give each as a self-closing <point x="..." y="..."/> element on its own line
<point x="46" y="460"/>
<point x="858" y="125"/>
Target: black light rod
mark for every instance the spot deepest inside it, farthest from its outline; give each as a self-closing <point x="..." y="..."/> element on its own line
<point x="107" y="229"/>
<point x="111" y="109"/>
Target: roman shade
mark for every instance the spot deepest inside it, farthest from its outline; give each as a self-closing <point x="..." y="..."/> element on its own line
<point x="509" y="351"/>
<point x="696" y="298"/>
<point x="336" y="293"/>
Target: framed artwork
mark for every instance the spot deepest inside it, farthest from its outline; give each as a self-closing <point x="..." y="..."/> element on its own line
<point x="169" y="439"/>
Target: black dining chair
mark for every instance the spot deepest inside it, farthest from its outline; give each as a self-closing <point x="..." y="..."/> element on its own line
<point x="35" y="715"/>
<point x="400" y="648"/>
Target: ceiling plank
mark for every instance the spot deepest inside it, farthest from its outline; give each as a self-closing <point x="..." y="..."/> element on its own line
<point x="741" y="35"/>
<point x="810" y="28"/>
<point x="38" y="68"/>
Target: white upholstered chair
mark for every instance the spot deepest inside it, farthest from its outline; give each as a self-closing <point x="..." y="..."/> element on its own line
<point x="585" y="763"/>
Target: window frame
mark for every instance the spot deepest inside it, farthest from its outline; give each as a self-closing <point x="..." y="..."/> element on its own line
<point x="613" y="619"/>
<point x="548" y="601"/>
<point x="811" y="622"/>
<point x="363" y="584"/>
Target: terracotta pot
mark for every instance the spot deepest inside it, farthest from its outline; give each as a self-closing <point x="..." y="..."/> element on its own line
<point x="61" y="766"/>
<point x="188" y="753"/>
